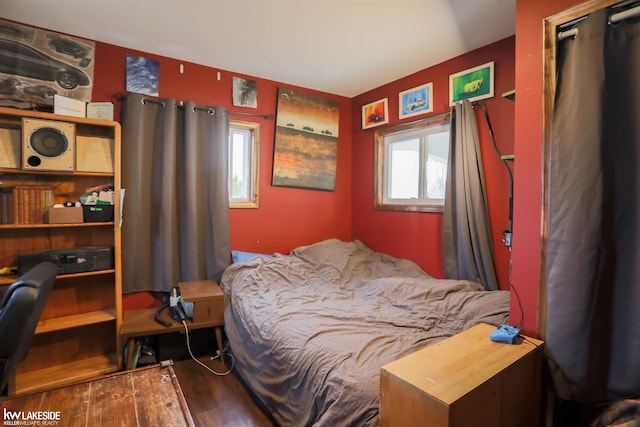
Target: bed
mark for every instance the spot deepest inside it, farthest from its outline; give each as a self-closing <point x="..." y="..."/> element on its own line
<point x="310" y="330"/>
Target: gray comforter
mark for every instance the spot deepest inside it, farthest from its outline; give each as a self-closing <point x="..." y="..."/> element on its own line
<point x="310" y="330"/>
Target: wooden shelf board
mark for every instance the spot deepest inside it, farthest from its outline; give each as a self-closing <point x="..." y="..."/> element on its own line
<point x="70" y="373"/>
<point x="7" y="280"/>
<point x="75" y="225"/>
<point x="53" y="173"/>
<point x="511" y="94"/>
<point x="75" y="321"/>
<point x="8" y="111"/>
<point x="87" y="273"/>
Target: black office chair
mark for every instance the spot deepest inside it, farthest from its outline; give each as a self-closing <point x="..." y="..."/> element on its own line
<point x="20" y="311"/>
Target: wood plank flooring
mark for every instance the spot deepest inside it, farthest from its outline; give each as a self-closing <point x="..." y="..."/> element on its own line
<point x="218" y="400"/>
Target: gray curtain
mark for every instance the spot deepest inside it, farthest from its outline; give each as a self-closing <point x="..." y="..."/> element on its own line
<point x="176" y="206"/>
<point x="593" y="248"/>
<point x="467" y="242"/>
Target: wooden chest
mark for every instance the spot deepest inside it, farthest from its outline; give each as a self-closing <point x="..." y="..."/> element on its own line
<point x="149" y="396"/>
<point x="466" y="380"/>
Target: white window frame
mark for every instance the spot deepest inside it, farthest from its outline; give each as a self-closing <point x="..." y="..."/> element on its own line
<point x="382" y="176"/>
<point x="252" y="161"/>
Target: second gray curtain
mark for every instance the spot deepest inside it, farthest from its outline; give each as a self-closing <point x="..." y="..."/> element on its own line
<point x="593" y="248"/>
<point x="176" y="207"/>
<point x="467" y="242"/>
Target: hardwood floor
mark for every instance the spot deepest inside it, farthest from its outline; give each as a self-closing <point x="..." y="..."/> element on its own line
<point x="218" y="400"/>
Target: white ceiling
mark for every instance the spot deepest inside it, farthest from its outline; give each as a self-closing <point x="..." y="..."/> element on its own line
<point x="344" y="47"/>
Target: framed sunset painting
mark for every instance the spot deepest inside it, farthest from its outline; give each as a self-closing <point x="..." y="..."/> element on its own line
<point x="306" y="141"/>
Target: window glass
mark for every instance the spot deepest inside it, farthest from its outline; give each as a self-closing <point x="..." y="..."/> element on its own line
<point x="411" y="165"/>
<point x="436" y="167"/>
<point x="243" y="164"/>
<point x="404" y="168"/>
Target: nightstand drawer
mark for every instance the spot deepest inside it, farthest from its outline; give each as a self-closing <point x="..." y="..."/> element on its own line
<point x="207" y="299"/>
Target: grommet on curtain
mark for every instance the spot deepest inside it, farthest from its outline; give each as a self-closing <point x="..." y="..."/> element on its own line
<point x="209" y="110"/>
<point x="162" y="103"/>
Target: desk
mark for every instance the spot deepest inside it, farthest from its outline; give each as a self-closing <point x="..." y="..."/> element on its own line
<point x="208" y="313"/>
<point x="137" y="398"/>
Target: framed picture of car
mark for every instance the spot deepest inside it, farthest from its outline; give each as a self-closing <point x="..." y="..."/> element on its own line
<point x="418" y="100"/>
<point x="36" y="65"/>
<point x="375" y="113"/>
<point x="473" y="84"/>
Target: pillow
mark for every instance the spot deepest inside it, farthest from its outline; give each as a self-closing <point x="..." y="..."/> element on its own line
<point x="241" y="256"/>
<point x="300" y="249"/>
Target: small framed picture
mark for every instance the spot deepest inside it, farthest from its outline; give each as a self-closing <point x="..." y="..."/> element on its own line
<point x="245" y="92"/>
<point x="142" y="75"/>
<point x="375" y="113"/>
<point x="418" y="100"/>
<point x="473" y="84"/>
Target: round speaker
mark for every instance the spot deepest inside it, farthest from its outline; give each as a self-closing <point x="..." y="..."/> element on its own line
<point x="48" y="142"/>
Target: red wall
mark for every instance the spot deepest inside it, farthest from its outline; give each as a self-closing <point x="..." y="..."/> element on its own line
<point x="528" y="150"/>
<point x="287" y="217"/>
<point x="418" y="236"/>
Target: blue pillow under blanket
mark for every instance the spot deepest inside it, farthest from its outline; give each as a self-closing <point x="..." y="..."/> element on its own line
<point x="241" y="256"/>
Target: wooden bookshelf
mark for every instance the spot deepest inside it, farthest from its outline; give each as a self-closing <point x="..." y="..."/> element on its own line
<point x="77" y="337"/>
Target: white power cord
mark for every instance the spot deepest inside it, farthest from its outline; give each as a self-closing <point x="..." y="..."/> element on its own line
<point x="186" y="330"/>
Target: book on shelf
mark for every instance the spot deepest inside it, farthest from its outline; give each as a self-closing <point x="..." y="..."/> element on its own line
<point x="6" y="206"/>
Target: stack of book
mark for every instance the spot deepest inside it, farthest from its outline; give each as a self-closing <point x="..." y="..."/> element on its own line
<point x="25" y="204"/>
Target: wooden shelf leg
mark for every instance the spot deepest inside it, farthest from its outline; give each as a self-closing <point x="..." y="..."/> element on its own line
<point x="131" y="347"/>
<point x="218" y="330"/>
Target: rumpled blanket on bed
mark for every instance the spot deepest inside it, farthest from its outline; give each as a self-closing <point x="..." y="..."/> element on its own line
<point x="310" y="330"/>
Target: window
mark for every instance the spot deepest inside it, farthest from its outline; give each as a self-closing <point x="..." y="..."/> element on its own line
<point x="243" y="164"/>
<point x="411" y="165"/>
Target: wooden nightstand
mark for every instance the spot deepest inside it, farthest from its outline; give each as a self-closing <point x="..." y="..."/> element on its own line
<point x="465" y="380"/>
<point x="208" y="312"/>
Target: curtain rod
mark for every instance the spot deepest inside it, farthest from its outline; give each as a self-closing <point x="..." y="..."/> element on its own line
<point x="240" y="113"/>
<point x="121" y="97"/>
<point x="613" y="19"/>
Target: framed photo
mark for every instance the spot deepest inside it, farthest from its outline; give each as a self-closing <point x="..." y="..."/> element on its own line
<point x="375" y="113"/>
<point x="418" y="100"/>
<point x="245" y="92"/>
<point x="142" y="75"/>
<point x="39" y="64"/>
<point x="473" y="84"/>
